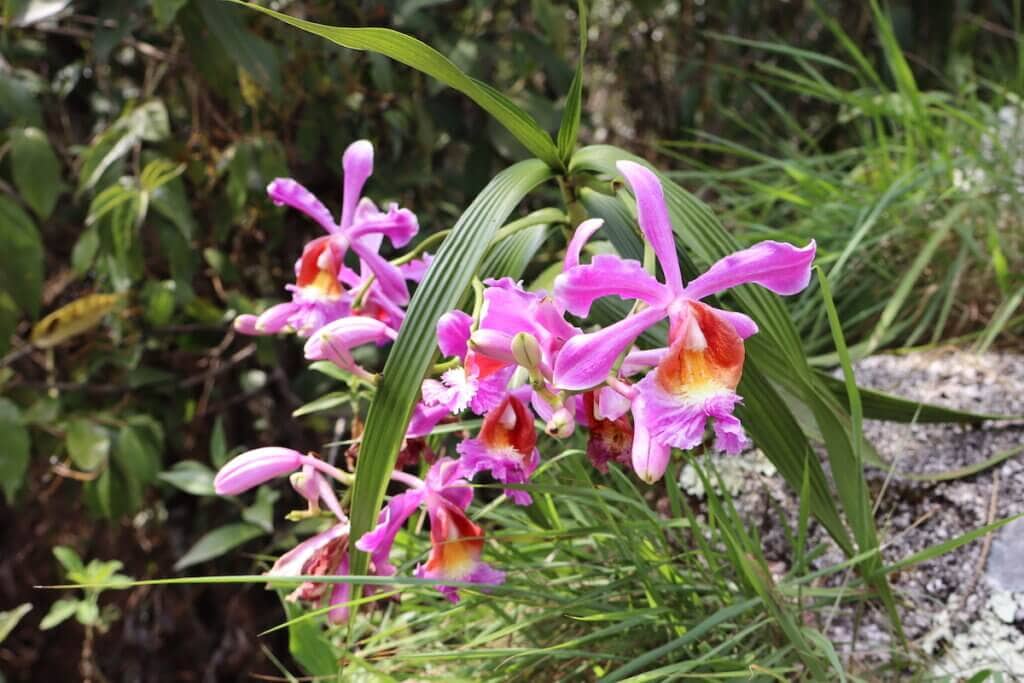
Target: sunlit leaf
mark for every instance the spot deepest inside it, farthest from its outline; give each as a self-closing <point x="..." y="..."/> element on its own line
<point x="73" y="319"/>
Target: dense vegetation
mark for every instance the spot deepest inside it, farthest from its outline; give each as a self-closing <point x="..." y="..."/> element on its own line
<point x="136" y="142"/>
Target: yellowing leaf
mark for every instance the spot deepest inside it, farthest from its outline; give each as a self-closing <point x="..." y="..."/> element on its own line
<point x="73" y="319"/>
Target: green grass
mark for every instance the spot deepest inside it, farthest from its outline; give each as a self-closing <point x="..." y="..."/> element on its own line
<point x="918" y="214"/>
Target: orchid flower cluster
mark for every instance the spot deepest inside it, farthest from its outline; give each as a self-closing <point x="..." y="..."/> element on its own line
<point x="517" y="359"/>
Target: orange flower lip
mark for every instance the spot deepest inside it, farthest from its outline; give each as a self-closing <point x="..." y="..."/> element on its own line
<point x="318" y="270"/>
<point x="706" y="354"/>
<point x="457" y="544"/>
<point x="509" y="425"/>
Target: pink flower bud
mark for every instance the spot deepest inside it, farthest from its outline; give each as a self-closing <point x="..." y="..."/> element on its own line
<point x="255" y="467"/>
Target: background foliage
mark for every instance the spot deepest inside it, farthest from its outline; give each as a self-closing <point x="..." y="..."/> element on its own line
<point x="137" y="138"/>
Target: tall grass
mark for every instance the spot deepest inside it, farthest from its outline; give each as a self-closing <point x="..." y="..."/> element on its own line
<point x="918" y="213"/>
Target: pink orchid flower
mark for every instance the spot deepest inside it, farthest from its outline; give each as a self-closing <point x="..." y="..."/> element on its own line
<point x="456" y="542"/>
<point x="487" y="354"/>
<point x="696" y="378"/>
<point x="318" y="296"/>
<point x="506" y="447"/>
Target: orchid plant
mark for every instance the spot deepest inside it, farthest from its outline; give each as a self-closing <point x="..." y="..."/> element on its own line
<point x="536" y="364"/>
<point x="517" y="359"/>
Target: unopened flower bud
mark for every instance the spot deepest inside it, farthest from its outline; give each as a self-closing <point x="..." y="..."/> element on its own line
<point x="526" y="351"/>
<point x="252" y="468"/>
<point x="561" y="425"/>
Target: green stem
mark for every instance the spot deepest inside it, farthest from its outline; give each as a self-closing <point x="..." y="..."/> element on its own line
<point x="539" y="217"/>
<point x="577" y="214"/>
<point x="421" y="247"/>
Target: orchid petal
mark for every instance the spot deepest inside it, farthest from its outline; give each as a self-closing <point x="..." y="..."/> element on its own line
<point x="357" y="163"/>
<point x="285" y="191"/>
<point x="379" y="540"/>
<point x="652" y="215"/>
<point x="453" y="330"/>
<point x="292" y="562"/>
<point x="650" y="458"/>
<point x="583" y="233"/>
<point x="424" y="419"/>
<point x="275" y="318"/>
<point x="255" y="467"/>
<point x="246" y="324"/>
<point x="641" y="359"/>
<point x="398" y="225"/>
<point x="606" y="275"/>
<point x="777" y="266"/>
<point x="389" y="277"/>
<point x="335" y="340"/>
<point x="742" y="323"/>
<point x="586" y="359"/>
<point x="611" y="405"/>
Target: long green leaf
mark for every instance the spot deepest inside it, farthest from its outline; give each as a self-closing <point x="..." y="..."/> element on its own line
<point x="570" y="126"/>
<point x="420" y="56"/>
<point x="442" y="289"/>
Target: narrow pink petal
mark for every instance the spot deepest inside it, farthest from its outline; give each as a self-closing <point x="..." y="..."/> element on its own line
<point x="335" y="340"/>
<point x="255" y="467"/>
<point x="424" y="419"/>
<point x="287" y="192"/>
<point x="357" y="163"/>
<point x="453" y="330"/>
<point x="650" y="457"/>
<point x="246" y="324"/>
<point x="398" y="225"/>
<point x="379" y="540"/>
<point x="638" y="360"/>
<point x="778" y="266"/>
<point x="611" y="405"/>
<point x="275" y="318"/>
<point x="742" y="323"/>
<point x="341" y="593"/>
<point x="493" y="344"/>
<point x="579" y="238"/>
<point x="607" y="275"/>
<point x="389" y="277"/>
<point x="652" y="215"/>
<point x="416" y="269"/>
<point x="586" y="359"/>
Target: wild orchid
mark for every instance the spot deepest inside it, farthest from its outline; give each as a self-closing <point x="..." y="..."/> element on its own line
<point x="696" y="378"/>
<point x="456" y="542"/>
<point x="319" y="295"/>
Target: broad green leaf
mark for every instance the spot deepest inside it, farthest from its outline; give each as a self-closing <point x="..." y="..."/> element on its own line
<point x="60" y="611"/>
<point x="422" y="57"/>
<point x="15" y="445"/>
<point x="146" y="122"/>
<point x="10" y="619"/>
<point x="36" y="170"/>
<point x="68" y="559"/>
<point x="137" y="454"/>
<point x="21" y="259"/>
<point x="88" y="443"/>
<point x="218" y="444"/>
<point x="17" y="101"/>
<point x="191" y="477"/>
<point x="443" y="287"/>
<point x="569" y="129"/>
<point x="217" y="542"/>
